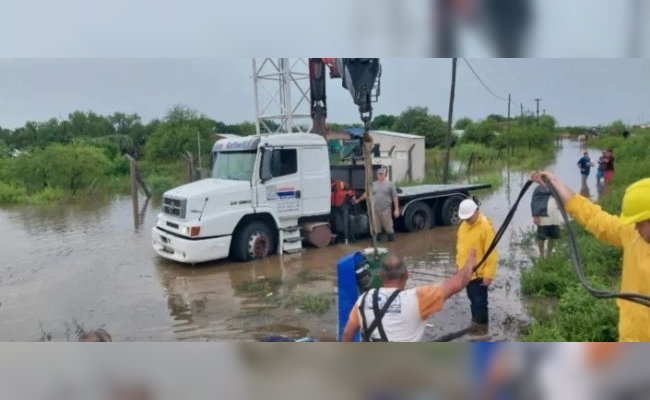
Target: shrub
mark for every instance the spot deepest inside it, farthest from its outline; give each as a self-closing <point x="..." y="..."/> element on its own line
<point x="159" y="184"/>
<point x="11" y="193"/>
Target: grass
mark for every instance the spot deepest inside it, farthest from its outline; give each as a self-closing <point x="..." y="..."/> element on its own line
<point x="317" y="304"/>
<point x="576" y="315"/>
<point x="308" y="275"/>
<point x="269" y="288"/>
<point x="260" y="287"/>
<point x="485" y="166"/>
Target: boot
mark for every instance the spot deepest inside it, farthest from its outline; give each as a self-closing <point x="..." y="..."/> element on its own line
<point x="391" y="237"/>
<point x="378" y="237"/>
<point x="477" y="329"/>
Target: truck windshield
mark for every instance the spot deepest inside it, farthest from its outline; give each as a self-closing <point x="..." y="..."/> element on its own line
<point x="234" y="165"/>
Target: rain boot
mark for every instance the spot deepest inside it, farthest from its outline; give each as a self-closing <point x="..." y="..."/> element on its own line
<point x="391" y="237"/>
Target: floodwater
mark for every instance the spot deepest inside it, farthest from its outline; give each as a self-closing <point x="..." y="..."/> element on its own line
<point x="89" y="265"/>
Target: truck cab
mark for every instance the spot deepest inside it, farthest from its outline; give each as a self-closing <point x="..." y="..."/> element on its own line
<point x="259" y="190"/>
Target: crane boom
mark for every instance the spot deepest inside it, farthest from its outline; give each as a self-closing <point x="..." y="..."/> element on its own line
<point x="360" y="76"/>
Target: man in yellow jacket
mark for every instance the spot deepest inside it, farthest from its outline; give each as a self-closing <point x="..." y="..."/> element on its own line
<point x="630" y="232"/>
<point x="476" y="232"/>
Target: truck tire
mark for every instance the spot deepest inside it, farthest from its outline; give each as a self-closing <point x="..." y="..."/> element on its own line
<point x="449" y="210"/>
<point x="418" y="217"/>
<point x="253" y="241"/>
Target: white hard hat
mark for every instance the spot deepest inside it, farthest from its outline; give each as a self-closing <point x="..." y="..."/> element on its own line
<point x="467" y="208"/>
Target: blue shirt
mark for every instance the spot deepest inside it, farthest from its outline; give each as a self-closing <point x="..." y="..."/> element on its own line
<point x="585" y="165"/>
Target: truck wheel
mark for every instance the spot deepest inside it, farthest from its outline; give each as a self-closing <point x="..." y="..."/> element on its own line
<point x="254" y="241"/>
<point x="418" y="217"/>
<point x="449" y="211"/>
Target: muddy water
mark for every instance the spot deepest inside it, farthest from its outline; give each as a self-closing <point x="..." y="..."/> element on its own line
<point x="89" y="265"/>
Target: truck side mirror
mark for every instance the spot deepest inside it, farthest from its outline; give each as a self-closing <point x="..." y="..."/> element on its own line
<point x="265" y="164"/>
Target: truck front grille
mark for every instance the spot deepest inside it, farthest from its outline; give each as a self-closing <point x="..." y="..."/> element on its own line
<point x="175" y="207"/>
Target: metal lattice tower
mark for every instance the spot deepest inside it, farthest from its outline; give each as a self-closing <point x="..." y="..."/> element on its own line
<point x="282" y="102"/>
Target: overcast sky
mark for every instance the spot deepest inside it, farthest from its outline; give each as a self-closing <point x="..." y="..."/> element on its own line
<point x="576" y="91"/>
<point x="142" y="67"/>
<point x="248" y="28"/>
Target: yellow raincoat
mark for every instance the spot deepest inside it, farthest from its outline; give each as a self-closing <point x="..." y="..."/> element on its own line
<point x="634" y="319"/>
<point x="477" y="236"/>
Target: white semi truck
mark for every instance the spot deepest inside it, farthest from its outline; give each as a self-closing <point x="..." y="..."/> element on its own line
<point x="267" y="192"/>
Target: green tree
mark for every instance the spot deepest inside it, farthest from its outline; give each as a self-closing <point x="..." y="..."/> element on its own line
<point x="131" y="125"/>
<point x="63" y="166"/>
<point x="75" y="166"/>
<point x="547" y="122"/>
<point x="462" y="123"/>
<point x="617" y="127"/>
<point x="32" y="170"/>
<point x="416" y="120"/>
<point x="484" y="132"/>
<point x="496" y="117"/>
<point x="248" y="128"/>
<point x="4" y="149"/>
<point x="181" y="130"/>
<point x="384" y="122"/>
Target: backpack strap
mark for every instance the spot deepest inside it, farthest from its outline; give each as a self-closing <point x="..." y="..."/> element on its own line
<point x="379" y="315"/>
<point x="364" y="328"/>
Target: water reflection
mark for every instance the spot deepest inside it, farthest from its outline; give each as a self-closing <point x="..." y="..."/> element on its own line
<point x="61" y="218"/>
<point x="602" y="188"/>
<point x="584" y="190"/>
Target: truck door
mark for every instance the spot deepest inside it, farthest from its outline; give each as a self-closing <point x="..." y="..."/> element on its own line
<point x="279" y="186"/>
<point x="315" y="173"/>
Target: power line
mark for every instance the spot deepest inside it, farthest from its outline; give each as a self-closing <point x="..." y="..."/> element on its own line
<point x="481" y="80"/>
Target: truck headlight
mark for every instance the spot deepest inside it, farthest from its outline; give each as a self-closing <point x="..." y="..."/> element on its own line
<point x="191" y="230"/>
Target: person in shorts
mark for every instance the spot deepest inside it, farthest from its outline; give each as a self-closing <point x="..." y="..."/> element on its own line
<point x="585" y="165"/>
<point x="546" y="217"/>
<point x="600" y="174"/>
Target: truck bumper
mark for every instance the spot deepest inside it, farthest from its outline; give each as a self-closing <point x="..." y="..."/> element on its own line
<point x="189" y="251"/>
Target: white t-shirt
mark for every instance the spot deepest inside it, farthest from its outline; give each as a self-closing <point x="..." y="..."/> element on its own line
<point x="554" y="216"/>
<point x="405" y="319"/>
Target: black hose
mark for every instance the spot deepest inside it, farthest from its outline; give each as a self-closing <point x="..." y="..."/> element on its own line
<point x="448" y="337"/>
<point x="503" y="227"/>
<point x="577" y="261"/>
<point x="575" y="253"/>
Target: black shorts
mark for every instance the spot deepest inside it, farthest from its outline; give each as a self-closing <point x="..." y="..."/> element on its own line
<point x="548" y="232"/>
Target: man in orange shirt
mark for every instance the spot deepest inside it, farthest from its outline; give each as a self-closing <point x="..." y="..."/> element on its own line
<point x="395" y="314"/>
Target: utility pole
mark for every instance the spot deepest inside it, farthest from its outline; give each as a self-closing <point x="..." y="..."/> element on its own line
<point x="508" y="128"/>
<point x="198" y="140"/>
<point x="537" y="100"/>
<point x="522" y="109"/>
<point x="449" y="118"/>
<point x="635" y="33"/>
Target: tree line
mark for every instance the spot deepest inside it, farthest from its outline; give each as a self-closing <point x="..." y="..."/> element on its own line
<point x="70" y="153"/>
<point x="178" y="131"/>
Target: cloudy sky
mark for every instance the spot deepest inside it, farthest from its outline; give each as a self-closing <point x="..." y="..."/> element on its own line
<point x="576" y="91"/>
<point x="236" y="28"/>
<point x="131" y="56"/>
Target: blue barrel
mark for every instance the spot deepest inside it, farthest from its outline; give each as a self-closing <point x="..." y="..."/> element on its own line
<point x="348" y="290"/>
